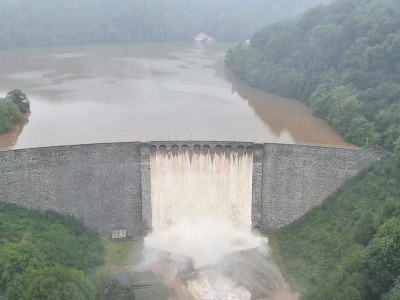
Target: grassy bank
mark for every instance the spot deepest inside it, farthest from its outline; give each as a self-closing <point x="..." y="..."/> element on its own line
<point x="121" y="258"/>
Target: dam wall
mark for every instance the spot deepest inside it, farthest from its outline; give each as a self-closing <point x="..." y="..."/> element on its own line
<point x="99" y="184"/>
<point x="108" y="186"/>
<point x="296" y="178"/>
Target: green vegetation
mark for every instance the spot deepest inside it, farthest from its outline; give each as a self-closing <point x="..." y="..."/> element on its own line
<point x="120" y="258"/>
<point x="343" y="60"/>
<point x="20" y="99"/>
<point x="12" y="108"/>
<point x="121" y="254"/>
<point x="348" y="248"/>
<point x="25" y="23"/>
<point x="44" y="255"/>
<point x="51" y="283"/>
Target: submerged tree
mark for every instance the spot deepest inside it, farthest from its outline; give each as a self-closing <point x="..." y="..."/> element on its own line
<point x="20" y="99"/>
<point x="9" y="115"/>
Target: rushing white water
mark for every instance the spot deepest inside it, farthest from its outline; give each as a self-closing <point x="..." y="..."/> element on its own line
<point x="204" y="239"/>
<point x="201" y="185"/>
<point x="201" y="208"/>
<point x="213" y="286"/>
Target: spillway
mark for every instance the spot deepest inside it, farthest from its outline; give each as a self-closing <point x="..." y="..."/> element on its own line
<point x="201" y="208"/>
<point x="189" y="183"/>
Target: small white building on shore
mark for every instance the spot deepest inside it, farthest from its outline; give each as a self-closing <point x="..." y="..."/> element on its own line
<point x="202" y="37"/>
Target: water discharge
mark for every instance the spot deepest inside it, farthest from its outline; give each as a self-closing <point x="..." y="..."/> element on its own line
<point x="201" y="184"/>
<point x="201" y="208"/>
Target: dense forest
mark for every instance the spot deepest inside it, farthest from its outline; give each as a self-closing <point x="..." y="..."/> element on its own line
<point x="25" y="23"/>
<point x="44" y="255"/>
<point x="343" y="60"/>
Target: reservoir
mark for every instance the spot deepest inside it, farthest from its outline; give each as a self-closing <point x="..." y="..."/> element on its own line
<point x="180" y="91"/>
<point x="139" y="92"/>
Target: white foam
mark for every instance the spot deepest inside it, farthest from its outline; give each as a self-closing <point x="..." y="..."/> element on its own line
<point x="201" y="208"/>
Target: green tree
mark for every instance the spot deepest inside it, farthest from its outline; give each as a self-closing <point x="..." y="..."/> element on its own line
<point x="383" y="258"/>
<point x="20" y="99"/>
<point x="31" y="240"/>
<point x="397" y="152"/>
<point x="54" y="283"/>
<point x="325" y="46"/>
<point x="364" y="229"/>
<point x="394" y="293"/>
<point x="344" y="108"/>
<point x="9" y="115"/>
<point x="361" y="132"/>
<point x="397" y="161"/>
<point x="321" y="101"/>
<point x="390" y="209"/>
<point x="350" y="293"/>
<point x="16" y="258"/>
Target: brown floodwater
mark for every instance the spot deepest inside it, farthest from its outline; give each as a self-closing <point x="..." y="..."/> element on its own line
<point x="133" y="92"/>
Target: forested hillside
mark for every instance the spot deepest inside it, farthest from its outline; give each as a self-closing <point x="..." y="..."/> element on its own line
<point x="26" y="23"/>
<point x="343" y="60"/>
<point x="44" y="255"/>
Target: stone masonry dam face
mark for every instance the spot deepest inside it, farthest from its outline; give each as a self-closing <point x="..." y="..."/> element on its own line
<point x="109" y="186"/>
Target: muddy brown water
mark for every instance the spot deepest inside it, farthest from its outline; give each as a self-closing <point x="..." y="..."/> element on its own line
<point x="96" y="94"/>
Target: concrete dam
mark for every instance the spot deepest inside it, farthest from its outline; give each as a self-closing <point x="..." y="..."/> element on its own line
<point x="116" y="186"/>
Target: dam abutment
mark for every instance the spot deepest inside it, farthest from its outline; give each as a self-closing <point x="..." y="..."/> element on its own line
<point x="145" y="186"/>
<point x="256" y="200"/>
<point x="108" y="186"/>
<point x="298" y="177"/>
<point x="99" y="184"/>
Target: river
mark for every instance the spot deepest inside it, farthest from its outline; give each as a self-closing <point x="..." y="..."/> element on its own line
<point x="131" y="92"/>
